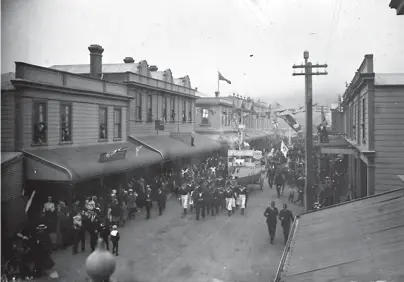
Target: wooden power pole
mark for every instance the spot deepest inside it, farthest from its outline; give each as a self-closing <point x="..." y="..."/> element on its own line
<point x="308" y="73"/>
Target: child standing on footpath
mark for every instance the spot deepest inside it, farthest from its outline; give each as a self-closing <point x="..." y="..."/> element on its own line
<point x="115" y="239"/>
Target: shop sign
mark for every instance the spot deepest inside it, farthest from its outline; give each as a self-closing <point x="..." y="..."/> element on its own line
<point x="118" y="154"/>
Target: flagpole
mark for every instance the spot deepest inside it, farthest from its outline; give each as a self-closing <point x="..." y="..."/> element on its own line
<point x="218" y="80"/>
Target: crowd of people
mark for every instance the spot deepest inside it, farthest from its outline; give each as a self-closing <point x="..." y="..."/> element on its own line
<point x="93" y="217"/>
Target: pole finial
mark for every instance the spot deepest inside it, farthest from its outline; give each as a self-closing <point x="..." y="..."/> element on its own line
<point x="306" y="55"/>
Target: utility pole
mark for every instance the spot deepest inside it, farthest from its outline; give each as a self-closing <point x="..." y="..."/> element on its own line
<point x="308" y="73"/>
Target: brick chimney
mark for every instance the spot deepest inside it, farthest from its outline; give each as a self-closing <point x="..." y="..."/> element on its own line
<point x="153" y="68"/>
<point x="128" y="60"/>
<point x="95" y="60"/>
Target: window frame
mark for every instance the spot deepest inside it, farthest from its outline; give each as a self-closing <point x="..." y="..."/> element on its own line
<point x="106" y="123"/>
<point x="363" y="124"/>
<point x="165" y="107"/>
<point x="149" y="110"/>
<point x="70" y="120"/>
<point x="184" y="110"/>
<point x="34" y="118"/>
<point x="189" y="111"/>
<point x="117" y="138"/>
<point x="205" y="116"/>
<point x="172" y="108"/>
<point x="139" y="102"/>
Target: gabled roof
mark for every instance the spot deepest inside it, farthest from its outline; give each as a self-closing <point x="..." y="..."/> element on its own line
<point x="106" y="68"/>
<point x="361" y="240"/>
<point x="6" y="81"/>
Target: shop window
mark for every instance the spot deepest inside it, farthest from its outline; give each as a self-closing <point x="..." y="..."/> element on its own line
<point x="184" y="111"/>
<point x="40" y="123"/>
<point x="205" y="116"/>
<point x="139" y="106"/>
<point x="172" y="109"/>
<point x="66" y="123"/>
<point x="103" y="120"/>
<point x="117" y="123"/>
<point x="149" y="108"/>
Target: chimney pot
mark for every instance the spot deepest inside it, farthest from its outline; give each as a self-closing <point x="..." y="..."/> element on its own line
<point x="95" y="60"/>
<point x="153" y="68"/>
<point x="128" y="60"/>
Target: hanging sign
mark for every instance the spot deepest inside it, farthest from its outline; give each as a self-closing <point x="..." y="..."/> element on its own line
<point x="118" y="154"/>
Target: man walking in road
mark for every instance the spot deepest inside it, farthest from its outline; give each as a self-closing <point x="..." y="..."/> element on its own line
<point x="271" y="213"/>
<point x="286" y="218"/>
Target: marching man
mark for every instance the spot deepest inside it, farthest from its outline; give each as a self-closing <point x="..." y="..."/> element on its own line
<point x="243" y="198"/>
<point x="184" y="197"/>
<point x="228" y="193"/>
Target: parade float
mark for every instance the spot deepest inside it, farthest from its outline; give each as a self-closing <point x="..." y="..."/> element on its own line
<point x="244" y="164"/>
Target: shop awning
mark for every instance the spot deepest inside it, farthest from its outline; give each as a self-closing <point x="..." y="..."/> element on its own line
<point x="336" y="145"/>
<point x="174" y="148"/>
<point x="84" y="162"/>
<point x="361" y="240"/>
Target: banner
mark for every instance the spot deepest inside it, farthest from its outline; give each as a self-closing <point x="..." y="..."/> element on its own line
<point x="284" y="149"/>
<point x="291" y="122"/>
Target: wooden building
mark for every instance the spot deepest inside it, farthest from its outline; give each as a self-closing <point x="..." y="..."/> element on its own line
<point x="219" y="118"/>
<point x="373" y="133"/>
<point x="82" y="129"/>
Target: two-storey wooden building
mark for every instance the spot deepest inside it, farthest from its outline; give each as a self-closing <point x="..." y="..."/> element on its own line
<point x="77" y="125"/>
<point x="219" y="118"/>
<point x="373" y="133"/>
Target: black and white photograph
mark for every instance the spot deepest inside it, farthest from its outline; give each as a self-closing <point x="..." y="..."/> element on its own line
<point x="202" y="140"/>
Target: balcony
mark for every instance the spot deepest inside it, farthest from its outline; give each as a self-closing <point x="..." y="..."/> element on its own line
<point x="333" y="143"/>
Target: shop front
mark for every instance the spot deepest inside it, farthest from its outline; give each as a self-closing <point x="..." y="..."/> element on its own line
<point x="12" y="193"/>
<point x="70" y="174"/>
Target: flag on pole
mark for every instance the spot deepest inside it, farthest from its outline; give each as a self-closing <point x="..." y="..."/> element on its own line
<point x="221" y="77"/>
<point x="291" y="122"/>
<point x="284" y="149"/>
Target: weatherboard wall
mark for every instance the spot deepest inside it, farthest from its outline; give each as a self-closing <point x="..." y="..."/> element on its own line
<point x="389" y="137"/>
<point x="8" y="123"/>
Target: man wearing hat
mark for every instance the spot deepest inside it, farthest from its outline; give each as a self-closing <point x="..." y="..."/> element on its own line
<point x="243" y="194"/>
<point x="271" y="214"/>
<point x="228" y="194"/>
<point x="148" y="201"/>
<point x="42" y="250"/>
<point x="199" y="202"/>
<point x="131" y="204"/>
<point x="286" y="218"/>
<point x="94" y="228"/>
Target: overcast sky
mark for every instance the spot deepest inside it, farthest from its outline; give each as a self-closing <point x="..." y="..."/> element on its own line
<point x="199" y="37"/>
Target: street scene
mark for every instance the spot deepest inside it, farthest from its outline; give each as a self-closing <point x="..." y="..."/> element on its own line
<point x="177" y="248"/>
<point x="202" y="141"/>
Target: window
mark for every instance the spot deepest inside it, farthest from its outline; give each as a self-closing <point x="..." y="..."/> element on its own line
<point x="40" y="123"/>
<point x="363" y="124"/>
<point x="66" y="123"/>
<point x="103" y="120"/>
<point x="172" y="109"/>
<point x="205" y="116"/>
<point x="149" y="108"/>
<point x="184" y="111"/>
<point x="354" y="122"/>
<point x="165" y="106"/>
<point x="139" y="106"/>
<point x="189" y="111"/>
<point x="117" y="123"/>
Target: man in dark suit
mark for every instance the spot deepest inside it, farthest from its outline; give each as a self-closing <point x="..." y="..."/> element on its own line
<point x="286" y="218"/>
<point x="271" y="213"/>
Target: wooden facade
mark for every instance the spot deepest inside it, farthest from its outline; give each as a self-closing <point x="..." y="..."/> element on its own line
<point x="373" y="113"/>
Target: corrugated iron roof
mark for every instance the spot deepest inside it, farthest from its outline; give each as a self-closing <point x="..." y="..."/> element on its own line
<point x="106" y="68"/>
<point x="361" y="240"/>
<point x="6" y="81"/>
<point x="157" y="75"/>
<point x="8" y="156"/>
